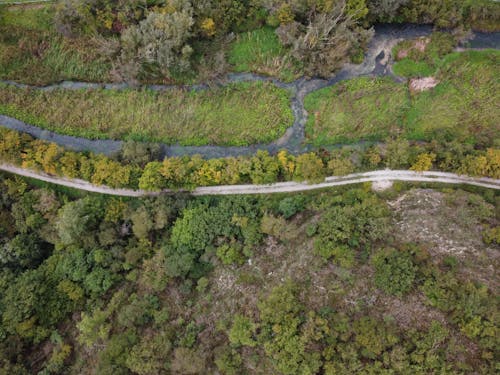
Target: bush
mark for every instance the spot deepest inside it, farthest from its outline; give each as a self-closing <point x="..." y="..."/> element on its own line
<point x="158" y="45"/>
<point x="328" y="41"/>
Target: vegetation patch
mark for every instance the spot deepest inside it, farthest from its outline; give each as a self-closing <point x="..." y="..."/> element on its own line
<point x="462" y="107"/>
<point x="31" y="51"/>
<point x="239" y="114"/>
<point x="260" y="51"/>
<point x="152" y="295"/>
<point x="358" y="109"/>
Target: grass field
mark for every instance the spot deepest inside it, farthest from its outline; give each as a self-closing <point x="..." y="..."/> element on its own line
<point x="238" y="114"/>
<point x="32" y="52"/>
<point x="463" y="106"/>
<point x="354" y="110"/>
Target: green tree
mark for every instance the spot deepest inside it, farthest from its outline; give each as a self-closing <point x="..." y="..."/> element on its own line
<point x="310" y="168"/>
<point x="152" y="178"/>
<point x="149" y="355"/>
<point x="394" y="271"/>
<point x="78" y="220"/>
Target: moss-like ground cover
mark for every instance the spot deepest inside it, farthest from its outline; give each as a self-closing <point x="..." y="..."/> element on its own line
<point x="462" y="107"/>
<point x="239" y="114"/>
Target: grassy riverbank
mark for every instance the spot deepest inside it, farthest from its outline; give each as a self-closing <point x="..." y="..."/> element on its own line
<point x="238" y="114"/>
<point x="462" y="107"/>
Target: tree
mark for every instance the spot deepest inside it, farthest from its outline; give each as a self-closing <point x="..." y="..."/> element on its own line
<point x="385" y="10"/>
<point x="188" y="361"/>
<point x="109" y="172"/>
<point x="231" y="254"/>
<point x="357" y="224"/>
<point x="242" y="331"/>
<point x="140" y="152"/>
<point x="10" y="145"/>
<point x="373" y="337"/>
<point x="394" y="271"/>
<point x="228" y="360"/>
<point x="281" y="332"/>
<point x="310" y="168"/>
<point x="338" y="166"/>
<point x="397" y="153"/>
<point x="78" y="220"/>
<point x="291" y="205"/>
<point x="329" y="38"/>
<point x="149" y="355"/>
<point x="94" y="328"/>
<point x="424" y="162"/>
<point x="42" y="155"/>
<point x="23" y="251"/>
<point x="264" y="168"/>
<point x="152" y="178"/>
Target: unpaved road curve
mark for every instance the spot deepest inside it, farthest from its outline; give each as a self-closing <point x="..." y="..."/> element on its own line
<point x="280" y="187"/>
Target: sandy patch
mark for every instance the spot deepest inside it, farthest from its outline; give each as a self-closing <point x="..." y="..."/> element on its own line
<point x="381" y="185"/>
<point x="422" y="84"/>
<point x="423" y="217"/>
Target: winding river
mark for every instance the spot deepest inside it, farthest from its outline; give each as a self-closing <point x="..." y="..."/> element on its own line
<point x="377" y="62"/>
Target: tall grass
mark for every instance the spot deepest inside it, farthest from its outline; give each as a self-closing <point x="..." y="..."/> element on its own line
<point x="358" y="109"/>
<point x="240" y="114"/>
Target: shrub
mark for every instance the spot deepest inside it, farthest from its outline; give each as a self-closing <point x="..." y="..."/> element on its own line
<point x="157" y="45"/>
<point x="231" y="254"/>
<point x="327" y="42"/>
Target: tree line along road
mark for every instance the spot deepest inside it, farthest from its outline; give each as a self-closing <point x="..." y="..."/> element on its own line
<point x="279" y="187"/>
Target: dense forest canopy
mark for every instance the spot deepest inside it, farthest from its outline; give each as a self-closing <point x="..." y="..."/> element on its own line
<point x="345" y="281"/>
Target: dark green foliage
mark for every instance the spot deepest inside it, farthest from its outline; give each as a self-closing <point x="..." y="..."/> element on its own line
<point x="291" y="205"/>
<point x="77" y="219"/>
<point x="394" y="271"/>
<point x="111" y="301"/>
<point x="352" y="222"/>
<point x="140" y="152"/>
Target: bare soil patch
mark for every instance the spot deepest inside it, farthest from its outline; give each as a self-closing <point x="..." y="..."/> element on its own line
<point x="422" y="84"/>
